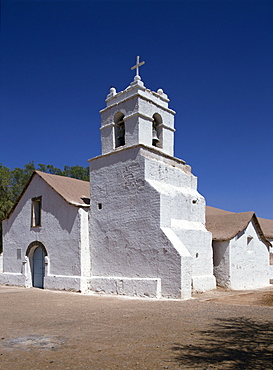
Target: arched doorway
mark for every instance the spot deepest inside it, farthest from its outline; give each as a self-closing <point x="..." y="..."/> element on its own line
<point x="38" y="267"/>
<point x="36" y="253"/>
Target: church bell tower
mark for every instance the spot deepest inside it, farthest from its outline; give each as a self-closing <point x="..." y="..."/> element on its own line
<point x="147" y="219"/>
<point x="135" y="116"/>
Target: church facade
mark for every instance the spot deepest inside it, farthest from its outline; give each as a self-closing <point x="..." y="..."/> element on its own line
<point x="137" y="229"/>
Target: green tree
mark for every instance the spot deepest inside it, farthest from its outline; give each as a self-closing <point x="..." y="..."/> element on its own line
<point x="77" y="172"/>
<point x="48" y="168"/>
<point x="5" y="196"/>
<point x="19" y="178"/>
<point x="5" y="191"/>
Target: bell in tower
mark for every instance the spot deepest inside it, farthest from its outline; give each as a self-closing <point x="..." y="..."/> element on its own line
<point x="156" y="131"/>
<point x="155" y="136"/>
<point x="120" y="132"/>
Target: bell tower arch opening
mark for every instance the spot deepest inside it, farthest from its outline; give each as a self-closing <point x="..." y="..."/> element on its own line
<point x="119" y="130"/>
<point x="157" y="131"/>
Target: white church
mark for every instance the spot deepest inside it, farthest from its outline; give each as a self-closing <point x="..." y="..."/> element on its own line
<point x="137" y="229"/>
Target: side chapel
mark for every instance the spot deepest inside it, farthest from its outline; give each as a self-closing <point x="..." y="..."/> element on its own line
<point x="143" y="233"/>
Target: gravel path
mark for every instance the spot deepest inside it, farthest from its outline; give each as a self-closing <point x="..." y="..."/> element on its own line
<point x="60" y="330"/>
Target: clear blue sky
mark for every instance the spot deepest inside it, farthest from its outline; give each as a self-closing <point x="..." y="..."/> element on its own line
<point x="213" y="58"/>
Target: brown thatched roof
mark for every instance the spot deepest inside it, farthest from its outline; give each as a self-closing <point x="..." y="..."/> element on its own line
<point x="225" y="225"/>
<point x="73" y="191"/>
<point x="267" y="227"/>
<point x="212" y="211"/>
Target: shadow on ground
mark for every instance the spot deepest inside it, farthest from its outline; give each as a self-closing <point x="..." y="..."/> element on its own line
<point x="234" y="343"/>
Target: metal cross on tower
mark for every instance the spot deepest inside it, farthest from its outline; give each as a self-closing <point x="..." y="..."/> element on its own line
<point x="137" y="65"/>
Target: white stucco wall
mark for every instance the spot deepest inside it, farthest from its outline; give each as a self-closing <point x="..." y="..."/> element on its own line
<point x="221" y="261"/>
<point x="242" y="263"/>
<point x="132" y="235"/>
<point x="84" y="248"/>
<point x="183" y="210"/>
<point x="271" y="260"/>
<point x="60" y="233"/>
<point x="1" y="262"/>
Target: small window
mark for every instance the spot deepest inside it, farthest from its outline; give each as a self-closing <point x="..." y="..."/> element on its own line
<point x="249" y="239"/>
<point x="250" y="243"/>
<point x="19" y="254"/>
<point x="36" y="212"/>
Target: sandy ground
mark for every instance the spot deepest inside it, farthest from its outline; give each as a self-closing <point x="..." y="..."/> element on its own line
<point x="60" y="330"/>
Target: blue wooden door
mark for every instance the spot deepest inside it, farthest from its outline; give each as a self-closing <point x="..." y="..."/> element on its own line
<point x="38" y="267"/>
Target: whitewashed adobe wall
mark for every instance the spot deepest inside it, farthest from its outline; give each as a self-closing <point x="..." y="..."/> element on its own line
<point x="138" y="200"/>
<point x="271" y="259"/>
<point x="60" y="234"/>
<point x="1" y="263"/>
<point x="182" y="209"/>
<point x="242" y="262"/>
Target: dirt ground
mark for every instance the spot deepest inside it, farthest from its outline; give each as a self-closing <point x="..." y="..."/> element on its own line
<point x="60" y="330"/>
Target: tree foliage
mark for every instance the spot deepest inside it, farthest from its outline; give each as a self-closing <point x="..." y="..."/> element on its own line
<point x="12" y="183"/>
